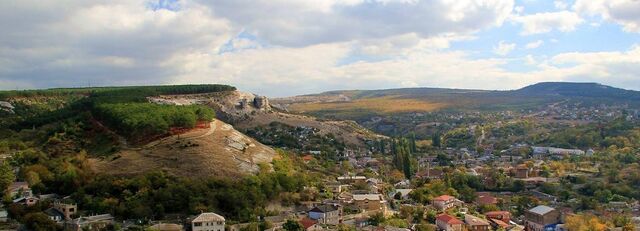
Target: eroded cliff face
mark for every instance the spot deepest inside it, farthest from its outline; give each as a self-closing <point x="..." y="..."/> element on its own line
<point x="246" y="111"/>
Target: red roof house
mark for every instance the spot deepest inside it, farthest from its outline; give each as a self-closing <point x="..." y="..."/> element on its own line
<point x="448" y="222"/>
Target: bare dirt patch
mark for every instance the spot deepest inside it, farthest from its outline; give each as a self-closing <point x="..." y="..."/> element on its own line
<point x="216" y="151"/>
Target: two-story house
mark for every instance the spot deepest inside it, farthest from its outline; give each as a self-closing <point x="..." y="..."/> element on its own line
<point x="449" y="223"/>
<point x="369" y="202"/>
<point x="541" y="218"/>
<point x="476" y="224"/>
<point x="445" y="202"/>
<point x="326" y="214"/>
<point x="208" y="222"/>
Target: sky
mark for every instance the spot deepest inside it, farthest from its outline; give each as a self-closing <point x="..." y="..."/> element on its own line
<point x="291" y="47"/>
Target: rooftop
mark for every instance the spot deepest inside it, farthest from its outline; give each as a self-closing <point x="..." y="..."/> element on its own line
<point x="541" y="209"/>
<point x="473" y="220"/>
<point x="371" y="197"/>
<point x="306" y="223"/>
<point x="444" y="198"/>
<point x="325" y="208"/>
<point x="204" y="217"/>
<point x="497" y="213"/>
<point x="449" y="219"/>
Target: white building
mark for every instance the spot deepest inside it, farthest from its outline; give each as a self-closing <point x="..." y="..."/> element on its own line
<point x="208" y="222"/>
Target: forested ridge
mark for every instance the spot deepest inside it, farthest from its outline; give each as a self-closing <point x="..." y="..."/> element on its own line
<point x="124" y="109"/>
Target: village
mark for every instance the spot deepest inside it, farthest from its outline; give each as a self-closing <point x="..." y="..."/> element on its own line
<point x="368" y="198"/>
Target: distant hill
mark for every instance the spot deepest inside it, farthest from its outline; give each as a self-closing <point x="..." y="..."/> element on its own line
<point x="356" y="104"/>
<point x="579" y="90"/>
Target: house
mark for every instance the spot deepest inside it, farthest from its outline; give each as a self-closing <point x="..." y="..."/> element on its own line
<point x="336" y="188"/>
<point x="166" y="227"/>
<point x="307" y="158"/>
<point x="430" y="174"/>
<point x="309" y="225"/>
<point x="448" y="223"/>
<point x="97" y="222"/>
<point x="208" y="222"/>
<point x="67" y="210"/>
<point x="61" y="211"/>
<point x="326" y="214"/>
<point x="375" y="184"/>
<point x="476" y="224"/>
<point x="522" y="171"/>
<point x="19" y="189"/>
<point x="541" y="218"/>
<point x="486" y="200"/>
<point x="404" y="193"/>
<point x="352" y="179"/>
<point x="445" y="202"/>
<point x="54" y="214"/>
<point x="499" y="225"/>
<point x="368" y="202"/>
<point x="504" y="216"/>
<point x="28" y="200"/>
<point x="4" y="216"/>
<point x="556" y="151"/>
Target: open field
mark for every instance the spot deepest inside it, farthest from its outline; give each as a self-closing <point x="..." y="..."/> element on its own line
<point x="385" y="104"/>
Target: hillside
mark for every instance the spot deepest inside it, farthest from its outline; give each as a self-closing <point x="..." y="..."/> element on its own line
<point x="592" y="90"/>
<point x="218" y="150"/>
<point x="123" y="133"/>
<point x="246" y="111"/>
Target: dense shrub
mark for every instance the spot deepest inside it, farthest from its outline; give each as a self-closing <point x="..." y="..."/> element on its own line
<point x="147" y="119"/>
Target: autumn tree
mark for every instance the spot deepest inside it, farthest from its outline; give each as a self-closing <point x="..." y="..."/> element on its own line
<point x="585" y="222"/>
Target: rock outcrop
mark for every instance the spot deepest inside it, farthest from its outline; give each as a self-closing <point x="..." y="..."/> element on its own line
<point x="6" y="106"/>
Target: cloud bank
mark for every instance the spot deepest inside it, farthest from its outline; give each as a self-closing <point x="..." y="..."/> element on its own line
<point x="287" y="47"/>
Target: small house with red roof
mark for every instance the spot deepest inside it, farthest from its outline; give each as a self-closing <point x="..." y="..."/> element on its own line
<point x="449" y="223"/>
<point x="309" y="225"/>
<point x="504" y="216"/>
<point x="445" y="202"/>
<point x="307" y="158"/>
<point x="486" y="200"/>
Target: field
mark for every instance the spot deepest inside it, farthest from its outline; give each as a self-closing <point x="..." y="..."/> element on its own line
<point x="383" y="105"/>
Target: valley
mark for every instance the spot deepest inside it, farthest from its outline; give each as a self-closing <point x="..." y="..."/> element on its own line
<point x="398" y="158"/>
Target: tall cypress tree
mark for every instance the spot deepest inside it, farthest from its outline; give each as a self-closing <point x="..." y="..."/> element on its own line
<point x="407" y="165"/>
<point x="436" y="140"/>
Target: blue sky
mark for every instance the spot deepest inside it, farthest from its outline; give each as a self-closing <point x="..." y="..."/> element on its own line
<point x="290" y="47"/>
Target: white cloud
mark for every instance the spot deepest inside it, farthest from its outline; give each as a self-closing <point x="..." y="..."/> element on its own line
<point x="518" y="9"/>
<point x="103" y="42"/>
<point x="560" y="4"/>
<point x="290" y="46"/>
<point x="504" y="48"/>
<point x="534" y="44"/>
<point x="530" y="60"/>
<point x="623" y="12"/>
<point x="539" y="23"/>
<point x="301" y="23"/>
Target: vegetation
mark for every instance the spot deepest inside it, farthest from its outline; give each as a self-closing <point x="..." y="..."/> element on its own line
<point x="147" y="119"/>
<point x="52" y="138"/>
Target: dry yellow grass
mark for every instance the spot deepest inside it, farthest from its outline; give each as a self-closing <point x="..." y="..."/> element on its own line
<point x="387" y="104"/>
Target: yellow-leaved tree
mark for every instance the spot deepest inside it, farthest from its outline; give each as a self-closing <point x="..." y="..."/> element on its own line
<point x="585" y="222"/>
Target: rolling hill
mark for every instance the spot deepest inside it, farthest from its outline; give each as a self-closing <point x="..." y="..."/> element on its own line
<point x="355" y="104"/>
